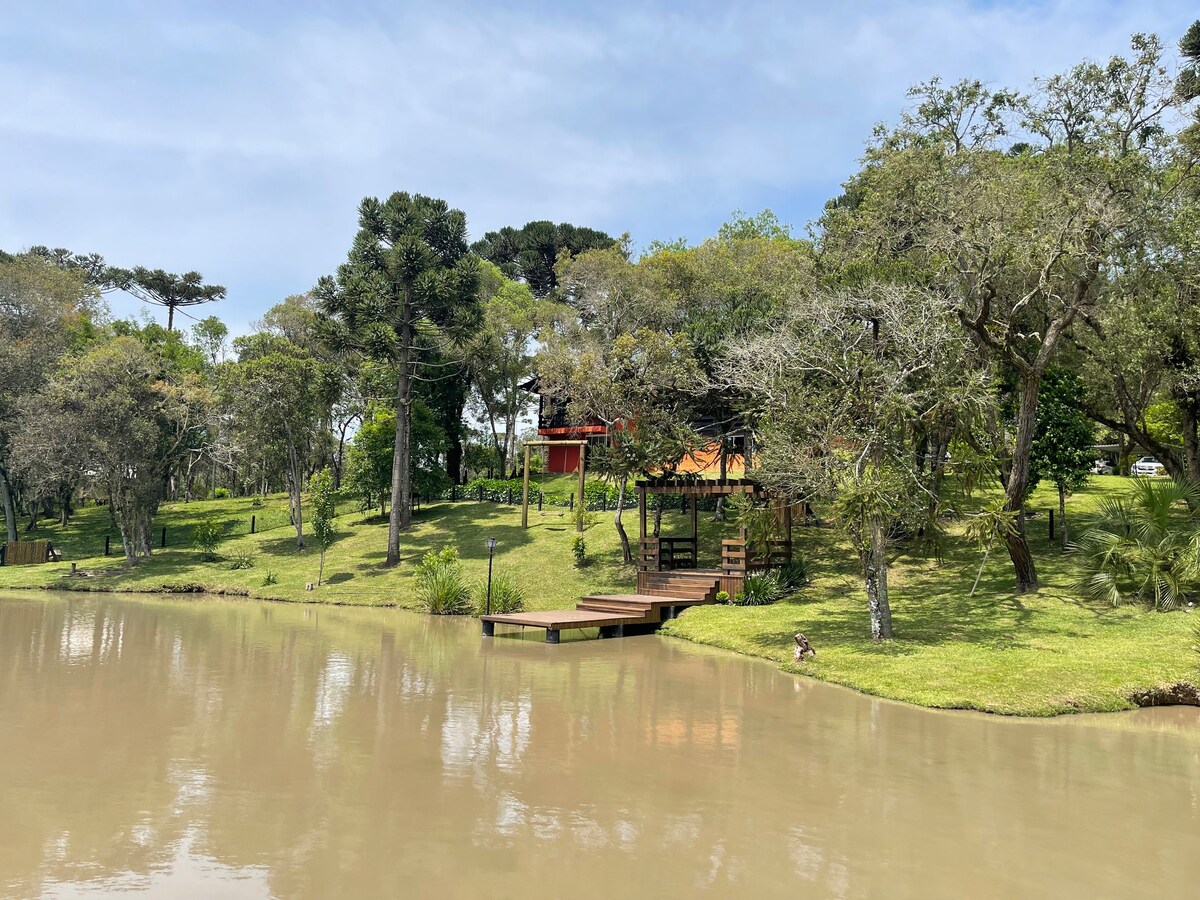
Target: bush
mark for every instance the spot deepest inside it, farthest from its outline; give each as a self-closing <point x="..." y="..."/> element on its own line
<point x="722" y="596"/>
<point x="269" y="579"/>
<point x="242" y="561"/>
<point x="221" y="493"/>
<point x="507" y="595"/>
<point x="206" y="537"/>
<point x="579" y="550"/>
<point x="795" y="574"/>
<point x="759" y="589"/>
<point x="441" y="590"/>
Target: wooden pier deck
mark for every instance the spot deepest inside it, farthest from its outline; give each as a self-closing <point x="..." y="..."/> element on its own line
<point x="666" y="595"/>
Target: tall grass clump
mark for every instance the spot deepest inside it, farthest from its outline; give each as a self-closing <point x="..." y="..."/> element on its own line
<point x="441" y="588"/>
<point x="507" y="595"/>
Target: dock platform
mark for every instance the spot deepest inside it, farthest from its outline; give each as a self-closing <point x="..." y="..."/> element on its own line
<point x="666" y="596"/>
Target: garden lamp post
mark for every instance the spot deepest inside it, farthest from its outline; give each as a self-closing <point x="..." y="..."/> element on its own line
<point x="491" y="544"/>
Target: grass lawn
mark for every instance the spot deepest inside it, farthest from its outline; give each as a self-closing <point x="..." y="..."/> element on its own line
<point x="1033" y="655"/>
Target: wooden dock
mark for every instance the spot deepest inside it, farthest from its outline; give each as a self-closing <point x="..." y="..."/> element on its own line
<point x="664" y="595"/>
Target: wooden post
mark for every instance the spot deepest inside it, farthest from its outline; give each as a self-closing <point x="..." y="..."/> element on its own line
<point x="525" y="492"/>
<point x="253" y="523"/>
<point x="641" y="513"/>
<point x="582" y="457"/>
<point x="695" y="532"/>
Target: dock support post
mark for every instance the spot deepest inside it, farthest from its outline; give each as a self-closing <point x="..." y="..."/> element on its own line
<point x="551" y="635"/>
<point x="489" y="629"/>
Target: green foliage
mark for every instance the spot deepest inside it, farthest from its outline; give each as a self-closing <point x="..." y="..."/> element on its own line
<point x="270" y="578"/>
<point x="441" y="588"/>
<point x="206" y="537"/>
<point x="579" y="550"/>
<point x="1145" y="547"/>
<point x="323" y="500"/>
<point x="755" y="517"/>
<point x="795" y="574"/>
<point x="531" y="252"/>
<point x="760" y="589"/>
<point x="221" y="493"/>
<point x="507" y="595"/>
<point x="722" y="596"/>
<point x="369" y="460"/>
<point x="242" y="560"/>
<point x="1062" y="446"/>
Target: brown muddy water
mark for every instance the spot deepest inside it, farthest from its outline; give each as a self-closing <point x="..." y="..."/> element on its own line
<point x="210" y="748"/>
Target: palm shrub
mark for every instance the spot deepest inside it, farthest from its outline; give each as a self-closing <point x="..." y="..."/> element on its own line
<point x="795" y="574"/>
<point x="441" y="589"/>
<point x="507" y="595"/>
<point x="1145" y="547"/>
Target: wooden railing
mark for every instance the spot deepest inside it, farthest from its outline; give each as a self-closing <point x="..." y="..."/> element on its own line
<point x="738" y="557"/>
<point x="665" y="553"/>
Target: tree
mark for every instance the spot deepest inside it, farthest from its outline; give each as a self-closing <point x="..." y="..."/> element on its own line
<point x="408" y="282"/>
<point x="1022" y="235"/>
<point x="1062" y="447"/>
<point x="500" y="356"/>
<point x="839" y="386"/>
<point x="372" y="453"/>
<point x="131" y="419"/>
<point x="531" y="253"/>
<point x="209" y="335"/>
<point x="323" y="500"/>
<point x="45" y="310"/>
<point x="166" y="288"/>
<point x="273" y="392"/>
<point x="616" y="357"/>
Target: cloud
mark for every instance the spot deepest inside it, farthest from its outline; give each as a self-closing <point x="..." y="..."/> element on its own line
<point x="239" y="143"/>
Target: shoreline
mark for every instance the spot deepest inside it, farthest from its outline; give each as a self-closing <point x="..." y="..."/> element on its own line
<point x="1166" y="694"/>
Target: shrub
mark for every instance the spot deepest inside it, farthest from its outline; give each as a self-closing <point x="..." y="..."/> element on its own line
<point x="722" y="596"/>
<point x="795" y="574"/>
<point x="441" y="590"/>
<point x="1144" y="547"/>
<point x="221" y="493"/>
<point x="579" y="550"/>
<point x="759" y="589"/>
<point x="206" y="537"/>
<point x="270" y="578"/>
<point x="243" y="560"/>
<point x="256" y="503"/>
<point x="507" y="595"/>
<point x="583" y="518"/>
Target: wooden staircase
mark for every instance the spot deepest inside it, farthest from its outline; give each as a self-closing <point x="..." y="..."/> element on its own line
<point x="666" y="594"/>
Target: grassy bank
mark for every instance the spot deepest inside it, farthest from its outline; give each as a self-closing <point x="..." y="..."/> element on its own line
<point x="1035" y="655"/>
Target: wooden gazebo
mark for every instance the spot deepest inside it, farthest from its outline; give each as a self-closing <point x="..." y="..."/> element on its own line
<point x="738" y="556"/>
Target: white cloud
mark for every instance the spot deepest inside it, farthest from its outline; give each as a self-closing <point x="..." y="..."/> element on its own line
<point x="241" y="146"/>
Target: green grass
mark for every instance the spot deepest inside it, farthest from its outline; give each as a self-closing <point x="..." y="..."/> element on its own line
<point x="1033" y="655"/>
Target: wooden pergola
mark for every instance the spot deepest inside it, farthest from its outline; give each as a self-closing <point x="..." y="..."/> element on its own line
<point x="658" y="554"/>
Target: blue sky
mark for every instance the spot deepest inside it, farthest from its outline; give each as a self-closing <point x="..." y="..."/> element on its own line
<point x="238" y="138"/>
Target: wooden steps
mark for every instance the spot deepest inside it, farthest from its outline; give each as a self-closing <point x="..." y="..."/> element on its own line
<point x="667" y="593"/>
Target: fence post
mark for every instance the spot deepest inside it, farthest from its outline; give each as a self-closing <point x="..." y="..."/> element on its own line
<point x="539" y="501"/>
<point x="571" y="505"/>
<point x="164" y="536"/>
<point x="508" y="496"/>
<point x="253" y="523"/>
<point x="452" y="492"/>
<point x="107" y="538"/>
<point x="481" y="493"/>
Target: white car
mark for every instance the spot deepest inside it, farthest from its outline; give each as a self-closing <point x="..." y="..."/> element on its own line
<point x="1102" y="467"/>
<point x="1146" y="467"/>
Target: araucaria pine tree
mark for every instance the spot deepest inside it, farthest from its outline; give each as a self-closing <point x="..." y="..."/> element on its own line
<point x="409" y="283"/>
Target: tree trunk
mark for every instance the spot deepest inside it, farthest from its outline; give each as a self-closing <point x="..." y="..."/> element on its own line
<point x="875" y="577"/>
<point x="1188" y="407"/>
<point x="454" y="452"/>
<point x="294" y="487"/>
<point x="10" y="508"/>
<point x="401" y="513"/>
<point x="1015" y="540"/>
<point x="1062" y="515"/>
<point x="626" y="553"/>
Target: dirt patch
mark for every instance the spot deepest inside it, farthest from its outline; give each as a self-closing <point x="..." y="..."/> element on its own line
<point x="1181" y="693"/>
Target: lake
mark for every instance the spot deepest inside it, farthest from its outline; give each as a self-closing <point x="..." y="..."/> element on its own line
<point x="206" y="747"/>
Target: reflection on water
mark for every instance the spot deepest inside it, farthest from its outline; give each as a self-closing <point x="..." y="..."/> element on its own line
<point x="235" y="749"/>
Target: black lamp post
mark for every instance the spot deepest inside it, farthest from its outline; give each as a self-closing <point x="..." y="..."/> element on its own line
<point x="491" y="544"/>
